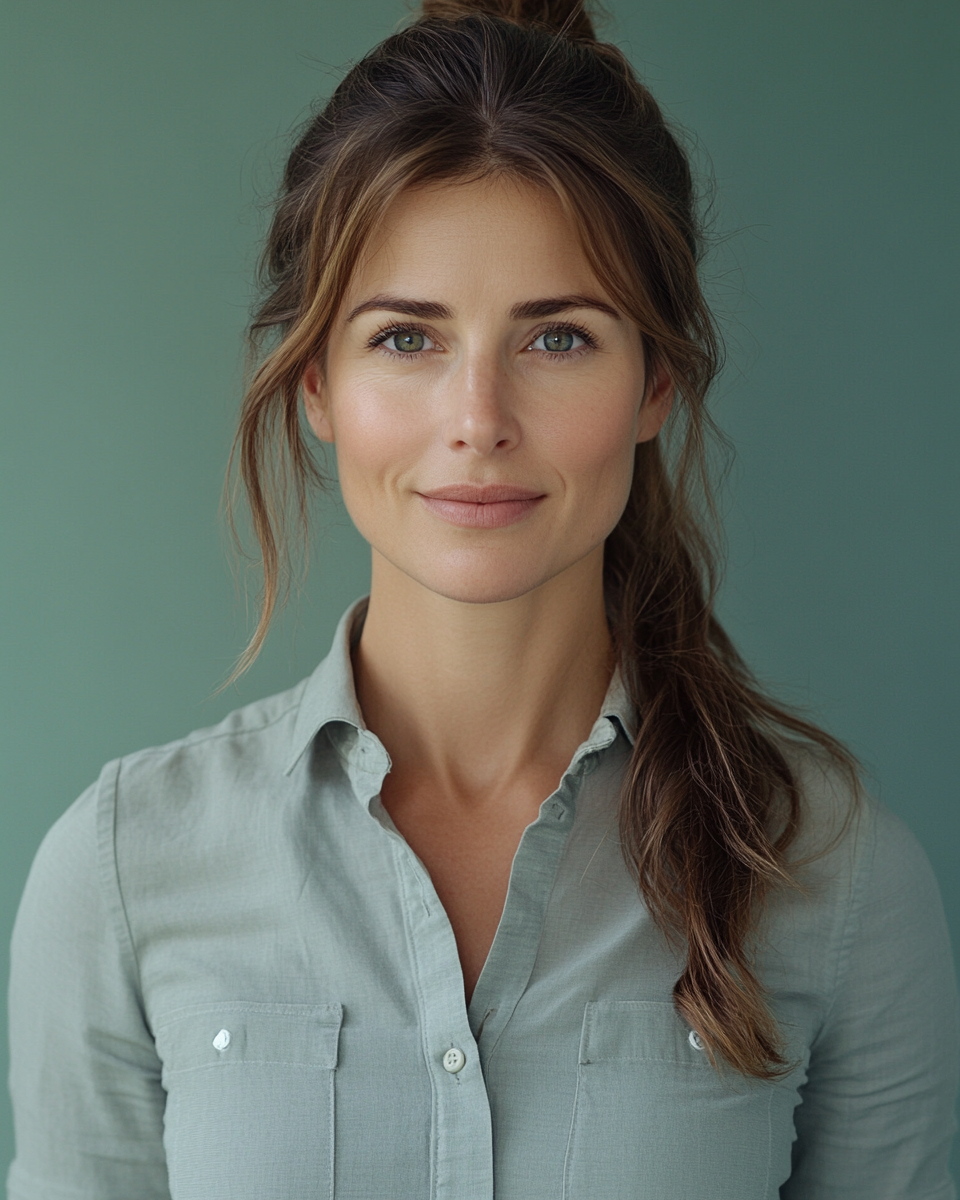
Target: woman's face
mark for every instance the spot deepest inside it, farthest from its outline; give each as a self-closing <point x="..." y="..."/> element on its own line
<point x="483" y="393"/>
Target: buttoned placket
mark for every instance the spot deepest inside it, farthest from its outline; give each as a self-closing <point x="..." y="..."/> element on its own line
<point x="458" y="1042"/>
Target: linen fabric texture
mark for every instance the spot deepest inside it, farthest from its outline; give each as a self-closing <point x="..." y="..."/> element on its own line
<point x="232" y="979"/>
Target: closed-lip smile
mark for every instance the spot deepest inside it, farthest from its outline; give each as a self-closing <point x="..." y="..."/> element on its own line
<point x="482" y="493"/>
<point x="480" y="506"/>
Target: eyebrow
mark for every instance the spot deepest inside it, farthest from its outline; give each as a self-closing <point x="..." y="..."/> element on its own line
<point x="526" y="310"/>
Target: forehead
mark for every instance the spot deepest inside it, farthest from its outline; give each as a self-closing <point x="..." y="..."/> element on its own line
<point x="493" y="236"/>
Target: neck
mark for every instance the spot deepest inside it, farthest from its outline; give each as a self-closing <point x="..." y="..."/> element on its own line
<point x="471" y="699"/>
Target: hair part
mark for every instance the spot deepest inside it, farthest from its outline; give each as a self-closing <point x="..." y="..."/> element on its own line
<point x="480" y="89"/>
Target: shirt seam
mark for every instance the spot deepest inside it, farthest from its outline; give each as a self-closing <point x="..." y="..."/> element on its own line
<point x="197" y="739"/>
<point x="858" y="887"/>
<point x="107" y="806"/>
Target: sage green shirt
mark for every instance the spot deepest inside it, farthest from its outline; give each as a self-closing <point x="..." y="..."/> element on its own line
<point x="233" y="980"/>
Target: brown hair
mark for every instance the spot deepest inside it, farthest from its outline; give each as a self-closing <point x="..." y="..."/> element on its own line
<point x="522" y="88"/>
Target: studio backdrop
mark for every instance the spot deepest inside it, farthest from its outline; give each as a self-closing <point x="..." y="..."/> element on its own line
<point x="141" y="142"/>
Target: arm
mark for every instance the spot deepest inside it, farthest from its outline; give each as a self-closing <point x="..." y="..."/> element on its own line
<point x="876" y="1121"/>
<point x="84" y="1077"/>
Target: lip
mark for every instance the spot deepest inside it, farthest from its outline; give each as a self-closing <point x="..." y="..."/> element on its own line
<point x="485" y="493"/>
<point x="481" y="506"/>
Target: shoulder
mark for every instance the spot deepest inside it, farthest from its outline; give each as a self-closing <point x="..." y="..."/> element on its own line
<point x="863" y="924"/>
<point x="852" y="860"/>
<point x="255" y="736"/>
<point x="140" y="798"/>
<point x="865" y="887"/>
<point x="847" y="830"/>
<point x="234" y="763"/>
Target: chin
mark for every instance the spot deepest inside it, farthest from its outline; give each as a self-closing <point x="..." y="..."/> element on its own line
<point x="480" y="591"/>
<point x="484" y="580"/>
<point x="478" y="579"/>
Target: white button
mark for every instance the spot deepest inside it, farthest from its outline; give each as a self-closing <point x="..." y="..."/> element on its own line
<point x="222" y="1040"/>
<point x="695" y="1040"/>
<point x="453" y="1060"/>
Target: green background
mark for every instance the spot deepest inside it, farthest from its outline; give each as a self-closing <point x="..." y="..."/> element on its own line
<point x="140" y="142"/>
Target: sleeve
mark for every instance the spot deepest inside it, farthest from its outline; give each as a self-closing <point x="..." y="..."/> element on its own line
<point x="84" y="1076"/>
<point x="876" y="1117"/>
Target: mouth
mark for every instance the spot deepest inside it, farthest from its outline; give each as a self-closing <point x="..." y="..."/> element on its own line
<point x="482" y="493"/>
<point x="476" y="506"/>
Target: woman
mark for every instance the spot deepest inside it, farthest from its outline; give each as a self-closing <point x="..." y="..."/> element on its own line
<point x="528" y="890"/>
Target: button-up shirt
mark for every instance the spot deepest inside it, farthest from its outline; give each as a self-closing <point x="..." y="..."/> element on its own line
<point x="233" y="980"/>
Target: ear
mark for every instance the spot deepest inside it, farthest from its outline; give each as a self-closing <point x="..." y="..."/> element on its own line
<point x="657" y="402"/>
<point x="313" y="403"/>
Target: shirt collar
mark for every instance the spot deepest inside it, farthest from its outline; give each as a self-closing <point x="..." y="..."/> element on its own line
<point x="329" y="693"/>
<point x="617" y="703"/>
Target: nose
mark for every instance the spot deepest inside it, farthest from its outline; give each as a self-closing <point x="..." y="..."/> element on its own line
<point x="480" y="414"/>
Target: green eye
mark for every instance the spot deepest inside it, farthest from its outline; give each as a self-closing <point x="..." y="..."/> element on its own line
<point x="409" y="341"/>
<point x="558" y="339"/>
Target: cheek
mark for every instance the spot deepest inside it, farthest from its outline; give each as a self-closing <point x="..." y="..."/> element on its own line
<point x="595" y="444"/>
<point x="376" y="439"/>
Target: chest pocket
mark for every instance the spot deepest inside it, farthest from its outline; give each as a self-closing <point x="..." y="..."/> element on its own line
<point x="653" y="1120"/>
<point x="250" y="1100"/>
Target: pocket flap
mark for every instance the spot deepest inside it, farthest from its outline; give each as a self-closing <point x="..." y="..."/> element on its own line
<point x="237" y="1031"/>
<point x="636" y="1031"/>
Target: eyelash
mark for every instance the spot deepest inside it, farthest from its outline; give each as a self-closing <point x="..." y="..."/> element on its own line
<point x="590" y="342"/>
